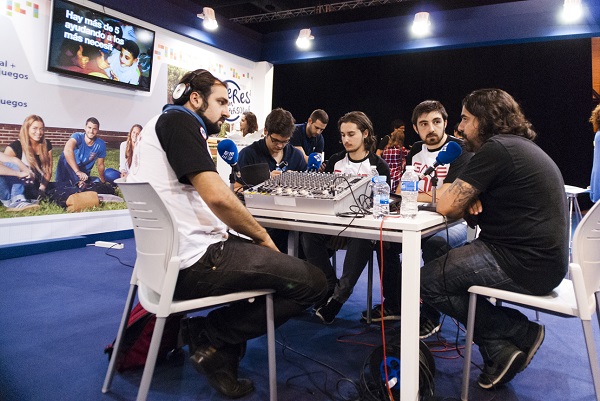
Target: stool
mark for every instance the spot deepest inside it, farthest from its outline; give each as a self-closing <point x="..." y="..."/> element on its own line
<point x="573" y="204"/>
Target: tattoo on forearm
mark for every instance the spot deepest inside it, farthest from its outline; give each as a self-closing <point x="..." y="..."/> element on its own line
<point x="463" y="194"/>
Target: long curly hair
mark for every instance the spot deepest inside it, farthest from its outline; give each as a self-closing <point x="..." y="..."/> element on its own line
<point x="498" y="113"/>
<point x="595" y="118"/>
<point x="44" y="167"/>
<point x="130" y="144"/>
<point x="397" y="136"/>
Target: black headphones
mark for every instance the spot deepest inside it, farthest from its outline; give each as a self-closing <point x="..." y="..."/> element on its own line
<point x="184" y="89"/>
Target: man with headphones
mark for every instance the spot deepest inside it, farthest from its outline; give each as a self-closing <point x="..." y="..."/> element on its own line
<point x="173" y="156"/>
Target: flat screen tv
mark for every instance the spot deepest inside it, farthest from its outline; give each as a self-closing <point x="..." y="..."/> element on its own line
<point x="92" y="45"/>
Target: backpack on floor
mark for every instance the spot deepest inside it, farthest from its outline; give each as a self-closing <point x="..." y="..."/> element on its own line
<point x="137" y="337"/>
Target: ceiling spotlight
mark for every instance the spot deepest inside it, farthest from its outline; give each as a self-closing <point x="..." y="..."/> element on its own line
<point x="421" y="24"/>
<point x="572" y="11"/>
<point x="210" y="21"/>
<point x="304" y="38"/>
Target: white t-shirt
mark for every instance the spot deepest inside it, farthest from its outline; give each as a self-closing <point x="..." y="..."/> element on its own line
<point x="187" y="148"/>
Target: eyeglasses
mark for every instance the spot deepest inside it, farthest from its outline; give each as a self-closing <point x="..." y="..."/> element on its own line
<point x="278" y="142"/>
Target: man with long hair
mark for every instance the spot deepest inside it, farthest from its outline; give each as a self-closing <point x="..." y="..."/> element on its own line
<point x="515" y="193"/>
<point x="358" y="158"/>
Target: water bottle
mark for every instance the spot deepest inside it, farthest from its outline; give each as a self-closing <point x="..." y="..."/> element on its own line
<point x="409" y="186"/>
<point x="381" y="197"/>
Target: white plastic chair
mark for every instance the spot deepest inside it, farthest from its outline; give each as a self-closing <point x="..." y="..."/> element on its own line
<point x="575" y="297"/>
<point x="154" y="278"/>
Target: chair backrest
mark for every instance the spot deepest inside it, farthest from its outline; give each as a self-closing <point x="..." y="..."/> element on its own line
<point x="586" y="248"/>
<point x="156" y="237"/>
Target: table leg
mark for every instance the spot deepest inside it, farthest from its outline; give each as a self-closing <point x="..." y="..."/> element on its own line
<point x="409" y="325"/>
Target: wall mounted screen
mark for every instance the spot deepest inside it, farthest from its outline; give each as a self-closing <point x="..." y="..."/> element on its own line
<point x="92" y="45"/>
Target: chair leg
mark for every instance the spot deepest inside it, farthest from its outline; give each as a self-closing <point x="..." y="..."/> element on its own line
<point x="271" y="348"/>
<point x="464" y="396"/>
<point x="597" y="297"/>
<point x="159" y="328"/>
<point x="593" y="359"/>
<point x="370" y="289"/>
<point x="537" y="312"/>
<point x="110" y="372"/>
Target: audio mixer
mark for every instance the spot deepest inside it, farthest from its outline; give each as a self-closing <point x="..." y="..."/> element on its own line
<point x="305" y="192"/>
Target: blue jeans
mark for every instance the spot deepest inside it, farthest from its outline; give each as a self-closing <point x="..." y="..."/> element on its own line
<point x="66" y="175"/>
<point x="439" y="244"/>
<point x="444" y="286"/>
<point x="239" y="265"/>
<point x="432" y="247"/>
<point x="11" y="187"/>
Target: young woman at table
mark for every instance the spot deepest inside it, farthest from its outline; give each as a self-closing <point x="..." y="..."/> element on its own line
<point x="358" y="138"/>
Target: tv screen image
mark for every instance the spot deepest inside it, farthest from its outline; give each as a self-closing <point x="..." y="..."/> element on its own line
<point x="92" y="45"/>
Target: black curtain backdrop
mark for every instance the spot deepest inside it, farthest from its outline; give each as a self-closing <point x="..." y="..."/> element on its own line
<point x="551" y="80"/>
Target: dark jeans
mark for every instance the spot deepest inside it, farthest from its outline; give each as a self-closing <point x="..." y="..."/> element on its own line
<point x="64" y="172"/>
<point x="444" y="286"/>
<point x="432" y="248"/>
<point x="358" y="253"/>
<point x="239" y="265"/>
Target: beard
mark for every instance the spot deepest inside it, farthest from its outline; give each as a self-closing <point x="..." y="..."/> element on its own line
<point x="211" y="127"/>
<point x="433" y="139"/>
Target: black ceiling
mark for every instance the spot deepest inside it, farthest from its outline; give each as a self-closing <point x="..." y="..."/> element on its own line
<point x="318" y="11"/>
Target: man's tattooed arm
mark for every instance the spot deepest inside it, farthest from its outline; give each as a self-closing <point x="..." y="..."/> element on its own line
<point x="459" y="199"/>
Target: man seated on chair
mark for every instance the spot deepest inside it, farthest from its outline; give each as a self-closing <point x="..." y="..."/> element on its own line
<point x="430" y="120"/>
<point x="515" y="193"/>
<point x="275" y="150"/>
<point x="358" y="159"/>
<point x="174" y="158"/>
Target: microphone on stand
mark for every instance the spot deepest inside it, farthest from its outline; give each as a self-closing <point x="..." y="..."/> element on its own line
<point x="229" y="153"/>
<point x="448" y="154"/>
<point x="314" y="162"/>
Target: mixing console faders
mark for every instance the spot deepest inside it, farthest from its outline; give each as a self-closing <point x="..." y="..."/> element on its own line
<point x="320" y="193"/>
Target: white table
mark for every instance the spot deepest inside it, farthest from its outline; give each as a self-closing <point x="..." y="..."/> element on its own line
<point x="407" y="231"/>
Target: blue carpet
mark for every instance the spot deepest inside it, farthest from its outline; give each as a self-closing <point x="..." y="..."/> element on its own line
<point x="60" y="309"/>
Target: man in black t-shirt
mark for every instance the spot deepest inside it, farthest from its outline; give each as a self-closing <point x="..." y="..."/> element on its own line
<point x="515" y="193"/>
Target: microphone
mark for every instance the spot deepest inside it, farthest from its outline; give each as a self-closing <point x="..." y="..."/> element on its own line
<point x="228" y="152"/>
<point x="314" y="162"/>
<point x="448" y="154"/>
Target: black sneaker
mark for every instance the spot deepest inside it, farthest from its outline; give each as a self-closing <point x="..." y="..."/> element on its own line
<point x="388" y="314"/>
<point x="323" y="301"/>
<point x="328" y="312"/>
<point x="428" y="327"/>
<point x="503" y="368"/>
<point x="534" y="339"/>
<point x="220" y="366"/>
